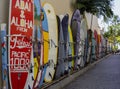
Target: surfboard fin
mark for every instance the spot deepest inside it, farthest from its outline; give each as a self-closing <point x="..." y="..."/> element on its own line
<point x="29" y="87"/>
<point x="52" y="43"/>
<point x="50" y="75"/>
<point x="32" y="78"/>
<point x="30" y="70"/>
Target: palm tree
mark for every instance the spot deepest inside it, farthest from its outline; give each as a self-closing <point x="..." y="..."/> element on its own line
<point x="96" y="7"/>
<point x="113" y="33"/>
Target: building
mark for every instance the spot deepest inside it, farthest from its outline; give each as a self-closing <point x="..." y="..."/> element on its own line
<point x="4" y="11"/>
<point x="61" y="7"/>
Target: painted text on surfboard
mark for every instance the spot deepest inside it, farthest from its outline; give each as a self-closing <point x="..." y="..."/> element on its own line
<point x="21" y="21"/>
<point x="20" y="43"/>
<point x="21" y="26"/>
<point x="19" y="61"/>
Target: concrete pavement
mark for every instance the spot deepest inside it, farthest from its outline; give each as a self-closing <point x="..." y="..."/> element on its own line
<point x="105" y="75"/>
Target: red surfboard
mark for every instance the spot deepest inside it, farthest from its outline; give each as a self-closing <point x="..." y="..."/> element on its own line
<point x="20" y="45"/>
<point x="96" y="39"/>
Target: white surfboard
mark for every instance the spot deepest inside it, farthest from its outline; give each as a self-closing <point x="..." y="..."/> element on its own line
<point x="82" y="37"/>
<point x="53" y="41"/>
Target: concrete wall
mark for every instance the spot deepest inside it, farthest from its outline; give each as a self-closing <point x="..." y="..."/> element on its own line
<point x="4" y="11"/>
<point x="61" y="6"/>
<point x="95" y="25"/>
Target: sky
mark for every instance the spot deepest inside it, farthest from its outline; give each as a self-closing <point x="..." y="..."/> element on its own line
<point x="116" y="7"/>
<point x="116" y="10"/>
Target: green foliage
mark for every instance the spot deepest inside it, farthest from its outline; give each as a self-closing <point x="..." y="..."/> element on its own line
<point x="113" y="33"/>
<point x="115" y="48"/>
<point x="102" y="8"/>
<point x="97" y="7"/>
<point x="118" y="39"/>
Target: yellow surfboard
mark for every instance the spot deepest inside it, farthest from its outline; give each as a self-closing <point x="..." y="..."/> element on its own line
<point x="72" y="44"/>
<point x="35" y="67"/>
<point x="53" y="41"/>
<point x="46" y="46"/>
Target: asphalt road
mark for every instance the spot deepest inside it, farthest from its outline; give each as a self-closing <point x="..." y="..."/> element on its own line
<point x="105" y="75"/>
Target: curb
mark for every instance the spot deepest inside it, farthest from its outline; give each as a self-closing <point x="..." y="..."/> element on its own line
<point x="60" y="83"/>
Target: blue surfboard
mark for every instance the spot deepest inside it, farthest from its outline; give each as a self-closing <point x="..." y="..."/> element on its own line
<point x="38" y="46"/>
<point x="45" y="29"/>
<point x="61" y="54"/>
<point x="75" y="26"/>
<point x="4" y="57"/>
<point x="65" y="35"/>
<point x="93" y="48"/>
<point x="70" y="50"/>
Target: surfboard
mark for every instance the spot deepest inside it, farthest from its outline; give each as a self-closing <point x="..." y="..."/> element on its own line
<point x="39" y="54"/>
<point x="30" y="79"/>
<point x="45" y="44"/>
<point x="4" y="55"/>
<point x="37" y="50"/>
<point x="84" y="27"/>
<point x="99" y="41"/>
<point x="75" y="26"/>
<point x="71" y="48"/>
<point x="65" y="35"/>
<point x="87" y="48"/>
<point x="61" y="55"/>
<point x="105" y="46"/>
<point x="93" y="58"/>
<point x="20" y="45"/>
<point x="89" y="44"/>
<point x="104" y="41"/>
<point x="82" y="48"/>
<point x="97" y="45"/>
<point x="53" y="41"/>
<point x="96" y="39"/>
<point x="82" y="44"/>
<point x="102" y="45"/>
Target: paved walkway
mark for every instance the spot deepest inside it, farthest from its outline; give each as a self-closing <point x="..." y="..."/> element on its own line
<point x="105" y="75"/>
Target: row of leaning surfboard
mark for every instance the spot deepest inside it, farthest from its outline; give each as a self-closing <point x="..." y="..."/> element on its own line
<point x="49" y="50"/>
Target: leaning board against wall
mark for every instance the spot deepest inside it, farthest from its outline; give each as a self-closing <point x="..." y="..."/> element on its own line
<point x="61" y="6"/>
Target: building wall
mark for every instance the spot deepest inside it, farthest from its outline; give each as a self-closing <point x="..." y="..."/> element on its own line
<point x="61" y="6"/>
<point x="4" y="11"/>
<point x="92" y="20"/>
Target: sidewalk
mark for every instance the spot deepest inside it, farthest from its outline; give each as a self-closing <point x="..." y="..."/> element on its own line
<point x="105" y="75"/>
<point x="59" y="84"/>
